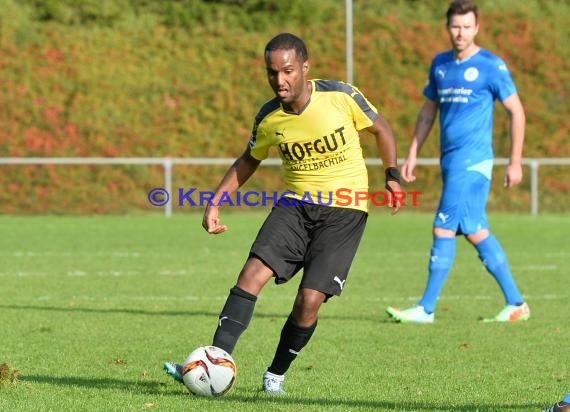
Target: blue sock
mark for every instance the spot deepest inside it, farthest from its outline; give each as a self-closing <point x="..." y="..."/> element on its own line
<point x="493" y="257"/>
<point x="440" y="261"/>
<point x="567" y="398"/>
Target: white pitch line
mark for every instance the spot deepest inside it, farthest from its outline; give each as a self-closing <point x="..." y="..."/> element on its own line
<point x="384" y="299"/>
<point x="415" y="299"/>
<point x="30" y="253"/>
<point x="536" y="267"/>
<point x="23" y="274"/>
<point x="100" y="273"/>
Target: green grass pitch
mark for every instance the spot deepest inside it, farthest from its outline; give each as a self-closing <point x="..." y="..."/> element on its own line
<point x="90" y="307"/>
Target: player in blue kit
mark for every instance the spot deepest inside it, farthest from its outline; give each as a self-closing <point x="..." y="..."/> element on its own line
<point x="463" y="84"/>
<point x="562" y="406"/>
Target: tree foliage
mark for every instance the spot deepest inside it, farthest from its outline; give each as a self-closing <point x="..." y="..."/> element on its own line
<point x="184" y="78"/>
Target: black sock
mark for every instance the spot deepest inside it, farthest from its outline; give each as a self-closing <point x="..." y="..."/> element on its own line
<point x="234" y="318"/>
<point x="293" y="339"/>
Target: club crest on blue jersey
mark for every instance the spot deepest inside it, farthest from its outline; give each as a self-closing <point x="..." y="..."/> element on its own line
<point x="471" y="74"/>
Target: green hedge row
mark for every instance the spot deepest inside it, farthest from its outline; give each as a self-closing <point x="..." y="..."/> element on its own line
<point x="184" y="78"/>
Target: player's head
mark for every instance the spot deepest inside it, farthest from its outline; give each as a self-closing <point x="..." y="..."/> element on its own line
<point x="461" y="7"/>
<point x="286" y="61"/>
<point x="462" y="24"/>
<point x="287" y="41"/>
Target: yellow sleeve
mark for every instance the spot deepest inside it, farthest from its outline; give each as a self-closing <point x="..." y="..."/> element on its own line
<point x="363" y="112"/>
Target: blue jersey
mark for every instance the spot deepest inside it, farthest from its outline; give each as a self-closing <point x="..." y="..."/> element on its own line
<point x="466" y="91"/>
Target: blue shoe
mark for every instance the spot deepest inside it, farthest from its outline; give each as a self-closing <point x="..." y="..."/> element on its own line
<point x="174" y="370"/>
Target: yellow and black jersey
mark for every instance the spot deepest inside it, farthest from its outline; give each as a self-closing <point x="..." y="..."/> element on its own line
<point x="320" y="147"/>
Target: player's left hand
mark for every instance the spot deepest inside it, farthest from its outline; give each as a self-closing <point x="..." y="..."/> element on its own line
<point x="513" y="175"/>
<point x="395" y="200"/>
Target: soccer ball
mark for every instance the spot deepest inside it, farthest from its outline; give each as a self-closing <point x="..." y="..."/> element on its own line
<point x="209" y="371"/>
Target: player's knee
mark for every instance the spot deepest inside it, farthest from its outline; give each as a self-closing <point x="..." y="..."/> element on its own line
<point x="441" y="232"/>
<point x="254" y="276"/>
<point x="478" y="236"/>
<point x="306" y="307"/>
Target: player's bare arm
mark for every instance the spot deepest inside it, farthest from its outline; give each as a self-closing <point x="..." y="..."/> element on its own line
<point x="517" y="121"/>
<point x="424" y="123"/>
<point x="235" y="177"/>
<point x="387" y="147"/>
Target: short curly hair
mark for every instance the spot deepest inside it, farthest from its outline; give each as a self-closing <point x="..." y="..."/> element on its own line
<point x="287" y="41"/>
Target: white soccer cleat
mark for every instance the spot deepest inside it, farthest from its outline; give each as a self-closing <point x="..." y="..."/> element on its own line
<point x="273" y="384"/>
<point x="414" y="314"/>
<point x="512" y="313"/>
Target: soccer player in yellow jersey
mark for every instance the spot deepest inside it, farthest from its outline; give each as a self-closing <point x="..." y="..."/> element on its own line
<point x="315" y="126"/>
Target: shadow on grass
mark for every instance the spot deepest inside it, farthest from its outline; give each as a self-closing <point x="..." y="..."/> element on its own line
<point x="369" y="405"/>
<point x="257" y="314"/>
<point x="111" y="310"/>
<point x="259" y="398"/>
<point x="147" y="388"/>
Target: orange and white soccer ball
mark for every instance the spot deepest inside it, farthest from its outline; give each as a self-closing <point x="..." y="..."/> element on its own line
<point x="209" y="371"/>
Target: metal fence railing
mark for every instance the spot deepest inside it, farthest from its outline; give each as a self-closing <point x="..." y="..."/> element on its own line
<point x="167" y="163"/>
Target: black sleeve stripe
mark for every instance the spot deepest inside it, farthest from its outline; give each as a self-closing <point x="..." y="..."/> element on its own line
<point x="336" y="86"/>
<point x="265" y="110"/>
<point x="333" y="86"/>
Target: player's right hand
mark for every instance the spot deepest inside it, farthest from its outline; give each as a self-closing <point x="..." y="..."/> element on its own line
<point x="408" y="169"/>
<point x="211" y="221"/>
<point x="513" y="175"/>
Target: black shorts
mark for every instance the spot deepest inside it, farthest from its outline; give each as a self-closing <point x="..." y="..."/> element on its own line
<point x="321" y="240"/>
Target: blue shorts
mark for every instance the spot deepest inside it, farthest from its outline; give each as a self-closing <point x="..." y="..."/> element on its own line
<point x="463" y="202"/>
